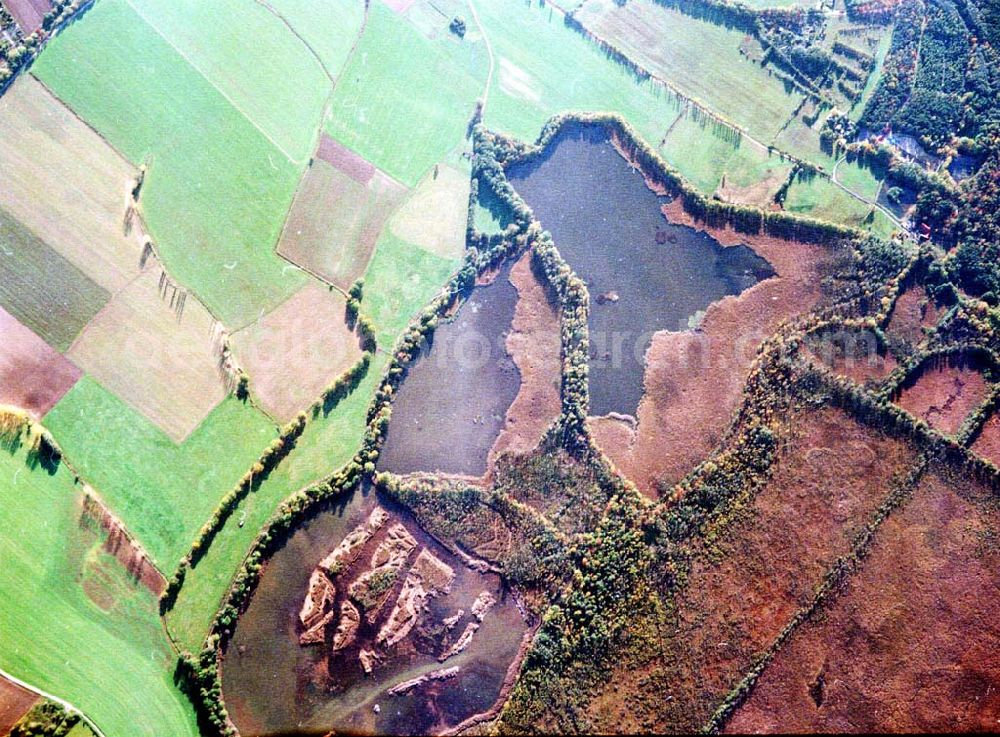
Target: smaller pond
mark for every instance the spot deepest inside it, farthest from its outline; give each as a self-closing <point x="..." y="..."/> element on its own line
<point x="644" y="274"/>
<point x="275" y="685"/>
<point x="453" y="402"/>
<point x="963" y="166"/>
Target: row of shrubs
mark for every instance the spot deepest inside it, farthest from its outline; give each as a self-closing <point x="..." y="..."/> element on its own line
<point x="743" y="218"/>
<point x="201" y="673"/>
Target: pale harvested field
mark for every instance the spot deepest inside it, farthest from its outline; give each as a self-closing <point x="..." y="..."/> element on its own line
<point x="336" y="218"/>
<point x="32" y="375"/>
<point x="436" y="214"/>
<point x="293" y="353"/>
<point x="66" y="184"/>
<point x="702" y="59"/>
<point x="163" y="366"/>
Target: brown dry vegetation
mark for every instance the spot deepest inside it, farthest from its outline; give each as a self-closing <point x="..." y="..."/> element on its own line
<point x="829" y="478"/>
<point x="297" y="350"/>
<point x="693" y="380"/>
<point x="66" y="184"/>
<point x="853" y="354"/>
<point x="163" y="364"/>
<point x="912" y="641"/>
<point x="913" y="312"/>
<point x="32" y="375"/>
<point x="988" y="443"/>
<point x="535" y="347"/>
<point x="944" y="396"/>
<point x="14" y="704"/>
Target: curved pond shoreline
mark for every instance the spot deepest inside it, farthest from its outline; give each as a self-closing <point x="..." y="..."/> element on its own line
<point x="644" y="273"/>
<point x="275" y="685"/>
<point x="453" y="403"/>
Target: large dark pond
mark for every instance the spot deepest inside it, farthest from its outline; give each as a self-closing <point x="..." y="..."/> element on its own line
<point x="273" y="685"/>
<point x="452" y="404"/>
<point x="644" y="274"/>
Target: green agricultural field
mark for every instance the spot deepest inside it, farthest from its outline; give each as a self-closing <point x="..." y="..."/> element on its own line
<point x="66" y="185"/>
<point x="489" y="215"/>
<point x="327" y="443"/>
<point x="400" y="280"/>
<point x="162" y="492"/>
<point x="329" y="27"/>
<point x="875" y="75"/>
<point x="405" y="101"/>
<point x="55" y="637"/>
<point x="436" y="215"/>
<point x="280" y="88"/>
<point x="705" y="156"/>
<point x="818" y="197"/>
<point x="217" y="190"/>
<point x="543" y="68"/>
<point x="41" y="288"/>
<point x="702" y="59"/>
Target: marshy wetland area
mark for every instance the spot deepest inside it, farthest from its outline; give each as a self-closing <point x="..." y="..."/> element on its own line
<point x="472" y="367"/>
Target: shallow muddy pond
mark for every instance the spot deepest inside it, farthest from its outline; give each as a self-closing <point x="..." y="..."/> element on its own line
<point x="644" y="274"/>
<point x="451" y="406"/>
<point x="274" y="685"/>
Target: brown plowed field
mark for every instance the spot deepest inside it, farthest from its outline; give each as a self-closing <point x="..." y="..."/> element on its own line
<point x="829" y="478"/>
<point x="32" y="375"/>
<point x="912" y="642"/>
<point x="28" y="14"/>
<point x="14" y="704"/>
<point x="338" y="213"/>
<point x="345" y="160"/>
<point x="694" y="379"/>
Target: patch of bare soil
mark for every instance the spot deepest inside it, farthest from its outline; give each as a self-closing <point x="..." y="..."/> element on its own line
<point x="353" y="165"/>
<point x="988" y="443"/>
<point x="33" y="376"/>
<point x="534" y="344"/>
<point x="829" y="478"/>
<point x="694" y="379"/>
<point x="28" y="14"/>
<point x="912" y="642"/>
<point x="913" y="312"/>
<point x="120" y="544"/>
<point x="759" y="194"/>
<point x="944" y="396"/>
<point x="15" y="702"/>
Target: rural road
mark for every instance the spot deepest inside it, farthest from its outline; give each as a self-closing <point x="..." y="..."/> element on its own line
<point x="62" y="702"/>
<point x="489" y="51"/>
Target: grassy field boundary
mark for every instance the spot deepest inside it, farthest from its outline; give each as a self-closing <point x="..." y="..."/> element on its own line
<point x="72" y="710"/>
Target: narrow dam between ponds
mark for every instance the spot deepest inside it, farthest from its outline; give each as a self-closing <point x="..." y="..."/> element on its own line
<point x="438" y="638"/>
<point x="644" y="274"/>
<point x="452" y="404"/>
